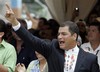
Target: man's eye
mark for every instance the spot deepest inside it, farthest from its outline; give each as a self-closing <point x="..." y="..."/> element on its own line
<point x="64" y="34"/>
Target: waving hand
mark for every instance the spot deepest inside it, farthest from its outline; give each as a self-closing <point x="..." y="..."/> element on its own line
<point x="10" y="16"/>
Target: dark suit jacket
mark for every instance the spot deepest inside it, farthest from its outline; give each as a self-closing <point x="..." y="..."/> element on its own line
<point x="26" y="54"/>
<point x="86" y="62"/>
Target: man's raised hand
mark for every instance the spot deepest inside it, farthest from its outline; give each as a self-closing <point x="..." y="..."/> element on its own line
<point x="10" y="16"/>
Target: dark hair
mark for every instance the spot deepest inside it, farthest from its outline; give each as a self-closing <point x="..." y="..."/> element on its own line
<point x="54" y="25"/>
<point x="3" y="28"/>
<point x="97" y="24"/>
<point x="43" y="20"/>
<point x="9" y="29"/>
<point x="73" y="28"/>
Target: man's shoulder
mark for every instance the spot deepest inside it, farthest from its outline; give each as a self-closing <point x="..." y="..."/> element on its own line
<point x="55" y="43"/>
<point x="8" y="46"/>
<point x="88" y="55"/>
<point x="85" y="45"/>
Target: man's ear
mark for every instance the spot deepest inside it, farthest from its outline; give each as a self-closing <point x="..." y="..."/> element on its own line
<point x="74" y="36"/>
<point x="1" y="34"/>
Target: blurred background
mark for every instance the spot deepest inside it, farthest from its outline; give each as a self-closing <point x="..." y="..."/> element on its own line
<point x="37" y="8"/>
<point x="60" y="10"/>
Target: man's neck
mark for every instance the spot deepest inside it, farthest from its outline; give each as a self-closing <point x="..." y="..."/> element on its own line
<point x="94" y="44"/>
<point x="71" y="46"/>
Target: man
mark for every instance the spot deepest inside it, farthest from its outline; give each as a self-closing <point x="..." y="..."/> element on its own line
<point x="82" y="30"/>
<point x="25" y="53"/>
<point x="93" y="46"/>
<point x="74" y="60"/>
<point x="7" y="51"/>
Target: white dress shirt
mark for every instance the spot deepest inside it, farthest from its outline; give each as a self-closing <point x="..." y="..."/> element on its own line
<point x="87" y="47"/>
<point x="70" y="59"/>
<point x="16" y="27"/>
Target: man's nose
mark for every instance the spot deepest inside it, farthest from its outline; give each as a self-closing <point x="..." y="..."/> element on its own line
<point x="59" y="36"/>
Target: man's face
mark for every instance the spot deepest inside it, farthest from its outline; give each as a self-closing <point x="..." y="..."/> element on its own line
<point x="93" y="33"/>
<point x="81" y="26"/>
<point x="65" y="38"/>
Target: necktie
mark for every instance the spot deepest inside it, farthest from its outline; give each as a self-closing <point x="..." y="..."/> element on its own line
<point x="69" y="60"/>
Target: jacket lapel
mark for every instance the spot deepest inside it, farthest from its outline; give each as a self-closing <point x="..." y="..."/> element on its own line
<point x="80" y="60"/>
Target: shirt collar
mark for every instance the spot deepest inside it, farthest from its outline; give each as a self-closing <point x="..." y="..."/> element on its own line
<point x="98" y="48"/>
<point x="2" y="44"/>
<point x="75" y="50"/>
<point x="90" y="48"/>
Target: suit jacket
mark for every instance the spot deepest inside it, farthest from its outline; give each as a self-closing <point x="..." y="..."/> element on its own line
<point x="86" y="62"/>
<point x="26" y="54"/>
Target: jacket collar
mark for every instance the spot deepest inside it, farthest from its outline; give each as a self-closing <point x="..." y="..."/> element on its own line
<point x="80" y="60"/>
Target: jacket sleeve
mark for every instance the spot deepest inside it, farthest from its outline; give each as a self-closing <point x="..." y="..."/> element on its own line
<point x="38" y="44"/>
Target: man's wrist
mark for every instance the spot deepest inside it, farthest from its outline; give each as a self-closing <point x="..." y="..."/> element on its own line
<point x="17" y="26"/>
<point x="15" y="23"/>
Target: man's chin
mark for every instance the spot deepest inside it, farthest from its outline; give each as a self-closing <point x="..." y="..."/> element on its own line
<point x="61" y="47"/>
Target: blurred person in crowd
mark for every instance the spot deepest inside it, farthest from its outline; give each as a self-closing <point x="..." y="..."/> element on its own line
<point x="42" y="28"/>
<point x="93" y="46"/>
<point x="75" y="14"/>
<point x="67" y="57"/>
<point x="46" y="30"/>
<point x="39" y="65"/>
<point x="7" y="51"/>
<point x="8" y="36"/>
<point x="92" y="17"/>
<point x="25" y="53"/>
<point x="54" y="26"/>
<point x="49" y="30"/>
<point x="82" y="30"/>
<point x="79" y="41"/>
<point x="98" y="19"/>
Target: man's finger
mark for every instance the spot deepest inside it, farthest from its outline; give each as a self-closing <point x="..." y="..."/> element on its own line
<point x="8" y="7"/>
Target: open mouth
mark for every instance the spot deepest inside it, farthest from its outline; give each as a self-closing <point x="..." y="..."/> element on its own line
<point x="61" y="42"/>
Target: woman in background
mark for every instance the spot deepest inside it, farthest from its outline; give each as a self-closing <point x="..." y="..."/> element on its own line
<point x="39" y="65"/>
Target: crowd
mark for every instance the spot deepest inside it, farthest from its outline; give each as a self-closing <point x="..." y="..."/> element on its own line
<point x="72" y="46"/>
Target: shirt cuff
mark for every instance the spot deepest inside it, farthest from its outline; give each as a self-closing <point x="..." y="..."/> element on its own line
<point x="17" y="27"/>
